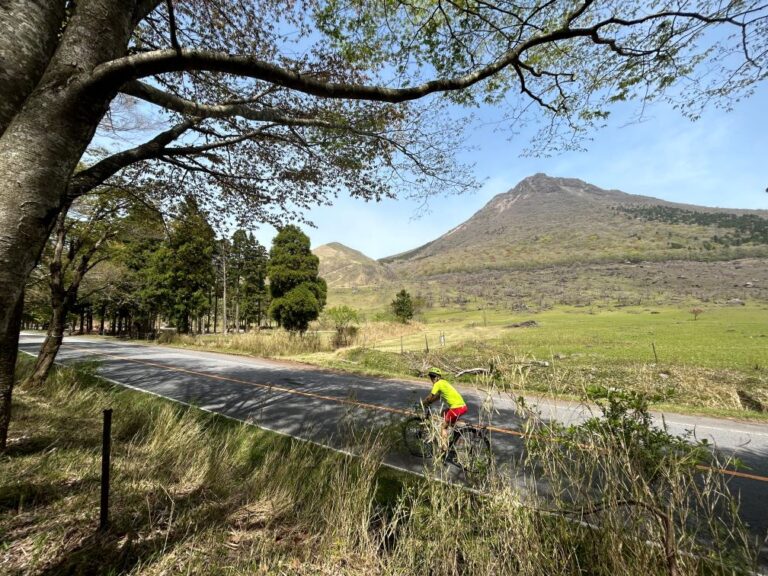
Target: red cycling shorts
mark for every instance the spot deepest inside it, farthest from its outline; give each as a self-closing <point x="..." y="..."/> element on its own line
<point x="454" y="414"/>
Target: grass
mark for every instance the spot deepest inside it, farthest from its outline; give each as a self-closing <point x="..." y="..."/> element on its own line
<point x="722" y="337"/>
<point x="265" y="343"/>
<point x="193" y="493"/>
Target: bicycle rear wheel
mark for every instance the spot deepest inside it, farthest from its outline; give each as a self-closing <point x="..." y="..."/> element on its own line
<point x="415" y="438"/>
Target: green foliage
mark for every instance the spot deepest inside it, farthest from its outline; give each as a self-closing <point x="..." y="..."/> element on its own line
<point x="627" y="422"/>
<point x="344" y="320"/>
<point x="180" y="272"/>
<point x="296" y="309"/>
<point x="247" y="261"/>
<point x="298" y="293"/>
<point x="743" y="228"/>
<point x="402" y="306"/>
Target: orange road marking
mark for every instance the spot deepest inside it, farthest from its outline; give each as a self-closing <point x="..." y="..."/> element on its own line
<point x="270" y="387"/>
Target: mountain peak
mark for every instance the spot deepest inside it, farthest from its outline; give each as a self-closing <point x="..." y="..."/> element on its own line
<point x="546" y="219"/>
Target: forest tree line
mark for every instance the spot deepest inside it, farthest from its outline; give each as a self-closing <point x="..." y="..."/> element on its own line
<point x="741" y="228"/>
<point x="119" y="267"/>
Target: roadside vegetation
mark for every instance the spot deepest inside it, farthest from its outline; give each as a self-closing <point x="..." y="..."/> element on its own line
<point x="193" y="493"/>
<point x="197" y="494"/>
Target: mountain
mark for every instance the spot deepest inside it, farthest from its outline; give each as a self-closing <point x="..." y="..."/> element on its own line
<point x="545" y="221"/>
<point x="551" y="241"/>
<point x="343" y="267"/>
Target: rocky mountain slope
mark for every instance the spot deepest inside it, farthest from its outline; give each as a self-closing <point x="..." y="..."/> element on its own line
<point x="546" y="221"/>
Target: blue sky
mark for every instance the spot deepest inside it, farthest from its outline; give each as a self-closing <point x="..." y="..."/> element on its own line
<point x="719" y="160"/>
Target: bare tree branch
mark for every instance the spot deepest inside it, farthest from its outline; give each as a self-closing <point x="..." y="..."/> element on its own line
<point x="172" y="26"/>
<point x="226" y="110"/>
<point x="135" y="66"/>
<point x="85" y="181"/>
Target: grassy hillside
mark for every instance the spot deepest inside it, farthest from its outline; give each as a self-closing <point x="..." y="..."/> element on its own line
<point x="642" y="283"/>
<point x="343" y="267"/>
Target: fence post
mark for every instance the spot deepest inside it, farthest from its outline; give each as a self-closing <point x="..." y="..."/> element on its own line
<point x="106" y="446"/>
<point x="426" y="343"/>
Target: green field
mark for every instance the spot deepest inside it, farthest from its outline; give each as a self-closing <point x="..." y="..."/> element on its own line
<point x="721" y="337"/>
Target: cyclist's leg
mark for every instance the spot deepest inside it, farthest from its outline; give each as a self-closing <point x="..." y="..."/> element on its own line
<point x="450" y="417"/>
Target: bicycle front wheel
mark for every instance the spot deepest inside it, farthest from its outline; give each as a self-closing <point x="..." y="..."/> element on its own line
<point x="471" y="451"/>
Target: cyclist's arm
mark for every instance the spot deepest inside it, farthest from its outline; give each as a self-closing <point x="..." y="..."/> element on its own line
<point x="430" y="399"/>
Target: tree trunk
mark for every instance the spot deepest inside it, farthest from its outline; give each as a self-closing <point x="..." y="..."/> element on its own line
<point x="45" y="136"/>
<point x="224" y="296"/>
<point x="30" y="29"/>
<point x="237" y="303"/>
<point x="215" y="309"/>
<point x="103" y="313"/>
<point x="9" y="348"/>
<point x="50" y="347"/>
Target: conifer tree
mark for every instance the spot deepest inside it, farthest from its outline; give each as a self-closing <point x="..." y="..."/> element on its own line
<point x="298" y="293"/>
<point x="402" y="306"/>
<point x="185" y="266"/>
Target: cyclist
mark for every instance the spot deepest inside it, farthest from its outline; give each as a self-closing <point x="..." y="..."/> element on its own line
<point x="441" y="388"/>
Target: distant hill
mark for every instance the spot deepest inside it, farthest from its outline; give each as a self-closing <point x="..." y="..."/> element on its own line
<point x="545" y="221"/>
<point x="343" y="267"/>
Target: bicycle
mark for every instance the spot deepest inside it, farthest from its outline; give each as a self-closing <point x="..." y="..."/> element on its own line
<point x="469" y="446"/>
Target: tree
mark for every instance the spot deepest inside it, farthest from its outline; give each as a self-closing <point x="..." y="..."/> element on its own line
<point x="254" y="288"/>
<point x="255" y="123"/>
<point x="344" y="320"/>
<point x="298" y="293"/>
<point x="238" y="258"/>
<point x="80" y="242"/>
<point x="183" y="268"/>
<point x="247" y="275"/>
<point x="696" y="312"/>
<point x="402" y="306"/>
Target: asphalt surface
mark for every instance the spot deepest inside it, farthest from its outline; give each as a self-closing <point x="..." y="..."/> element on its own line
<point x="324" y="406"/>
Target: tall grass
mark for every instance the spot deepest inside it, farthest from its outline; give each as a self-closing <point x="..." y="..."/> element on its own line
<point x="196" y="494"/>
<point x="268" y="343"/>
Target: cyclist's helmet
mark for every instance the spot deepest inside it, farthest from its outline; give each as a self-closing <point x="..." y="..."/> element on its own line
<point x="435" y="372"/>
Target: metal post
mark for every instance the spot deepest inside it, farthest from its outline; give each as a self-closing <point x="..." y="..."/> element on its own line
<point x="106" y="446"/>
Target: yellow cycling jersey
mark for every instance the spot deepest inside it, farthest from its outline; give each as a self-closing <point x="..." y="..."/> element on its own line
<point x="448" y="393"/>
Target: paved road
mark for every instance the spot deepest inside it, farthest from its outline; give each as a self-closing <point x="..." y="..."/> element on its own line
<point x="310" y="403"/>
